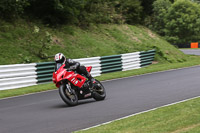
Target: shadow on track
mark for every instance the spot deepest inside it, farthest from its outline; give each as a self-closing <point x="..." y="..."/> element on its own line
<point x="81" y="102"/>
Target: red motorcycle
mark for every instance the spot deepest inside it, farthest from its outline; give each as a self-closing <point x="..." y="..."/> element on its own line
<point x="73" y="86"/>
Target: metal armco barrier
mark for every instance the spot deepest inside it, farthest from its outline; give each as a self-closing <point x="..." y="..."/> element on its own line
<point x="17" y="76"/>
<point x="94" y="62"/>
<point x="23" y="75"/>
<point x="131" y="61"/>
<point x="44" y="71"/>
<point x="147" y="57"/>
<point x="111" y="63"/>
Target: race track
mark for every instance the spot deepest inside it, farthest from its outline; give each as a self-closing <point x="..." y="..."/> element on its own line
<point x="191" y="51"/>
<point x="46" y="112"/>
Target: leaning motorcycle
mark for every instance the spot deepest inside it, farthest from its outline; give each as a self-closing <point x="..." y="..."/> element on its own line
<point x="73" y="86"/>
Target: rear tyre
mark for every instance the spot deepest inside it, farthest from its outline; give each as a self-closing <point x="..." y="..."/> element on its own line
<point x="99" y="92"/>
<point x="70" y="98"/>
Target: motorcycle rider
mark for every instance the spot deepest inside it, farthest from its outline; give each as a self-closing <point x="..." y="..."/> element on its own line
<point x="70" y="64"/>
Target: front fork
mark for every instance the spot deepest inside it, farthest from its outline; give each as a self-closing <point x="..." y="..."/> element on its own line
<point x="68" y="87"/>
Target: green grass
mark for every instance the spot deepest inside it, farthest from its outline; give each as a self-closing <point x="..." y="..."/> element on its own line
<point x="26" y="90"/>
<point x="178" y="118"/>
<point x="19" y="43"/>
<point x="194" y="60"/>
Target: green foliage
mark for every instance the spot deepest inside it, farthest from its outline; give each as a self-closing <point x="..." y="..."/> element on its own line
<point x="160" y="9"/>
<point x="178" y="22"/>
<point x="79" y="12"/>
<point x="147" y="7"/>
<point x="100" y="11"/>
<point x="35" y="44"/>
<point x="56" y="11"/>
<point x="131" y="10"/>
<point x="82" y="12"/>
<point x="10" y="9"/>
<point x="112" y="11"/>
<point x="183" y="22"/>
<point x="44" y="43"/>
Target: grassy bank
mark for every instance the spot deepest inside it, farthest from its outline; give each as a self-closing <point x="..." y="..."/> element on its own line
<point x="25" y="42"/>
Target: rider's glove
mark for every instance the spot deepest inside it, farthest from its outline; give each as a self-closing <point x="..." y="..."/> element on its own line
<point x="72" y="67"/>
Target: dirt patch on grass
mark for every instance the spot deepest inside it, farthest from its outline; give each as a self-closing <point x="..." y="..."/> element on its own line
<point x="135" y="38"/>
<point x="126" y="30"/>
<point x="58" y="41"/>
<point x="154" y="62"/>
<point x="186" y="128"/>
<point x="151" y="34"/>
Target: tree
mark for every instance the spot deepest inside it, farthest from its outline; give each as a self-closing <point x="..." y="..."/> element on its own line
<point x="111" y="11"/>
<point x="10" y="9"/>
<point x="131" y="10"/>
<point x="183" y="22"/>
<point x="160" y="10"/>
<point x="56" y="11"/>
<point x="98" y="11"/>
<point x="147" y="6"/>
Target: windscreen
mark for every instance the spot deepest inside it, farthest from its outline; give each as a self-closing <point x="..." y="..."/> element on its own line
<point x="58" y="65"/>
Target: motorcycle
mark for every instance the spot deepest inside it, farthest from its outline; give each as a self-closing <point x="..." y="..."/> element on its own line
<point x="73" y="86"/>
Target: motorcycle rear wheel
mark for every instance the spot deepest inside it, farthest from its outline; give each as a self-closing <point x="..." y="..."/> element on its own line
<point x="70" y="98"/>
<point x="99" y="92"/>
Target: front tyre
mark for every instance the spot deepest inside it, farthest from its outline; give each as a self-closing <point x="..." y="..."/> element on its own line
<point x="68" y="95"/>
<point x="99" y="92"/>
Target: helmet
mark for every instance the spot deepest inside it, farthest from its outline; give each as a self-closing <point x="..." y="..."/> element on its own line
<point x="59" y="58"/>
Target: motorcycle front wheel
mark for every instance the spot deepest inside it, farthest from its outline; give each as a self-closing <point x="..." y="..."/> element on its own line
<point x="68" y="95"/>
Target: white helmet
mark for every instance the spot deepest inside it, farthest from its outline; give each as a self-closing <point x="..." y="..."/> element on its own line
<point x="59" y="58"/>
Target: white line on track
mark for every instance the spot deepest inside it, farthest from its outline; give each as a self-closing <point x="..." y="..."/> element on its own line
<point x="139" y="113"/>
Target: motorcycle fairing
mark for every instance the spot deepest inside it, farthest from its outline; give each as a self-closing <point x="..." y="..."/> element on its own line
<point x="75" y="79"/>
<point x="89" y="68"/>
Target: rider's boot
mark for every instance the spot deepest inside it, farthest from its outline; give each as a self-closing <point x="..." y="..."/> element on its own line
<point x="91" y="79"/>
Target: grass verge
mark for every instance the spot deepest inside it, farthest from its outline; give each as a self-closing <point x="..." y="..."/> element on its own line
<point x="194" y="60"/>
<point x="26" y="90"/>
<point x="178" y="118"/>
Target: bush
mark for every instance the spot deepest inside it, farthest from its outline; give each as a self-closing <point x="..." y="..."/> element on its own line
<point x="56" y="11"/>
<point x="131" y="10"/>
<point x="183" y="22"/>
<point x="77" y="12"/>
<point x="10" y="9"/>
<point x="160" y="10"/>
<point x="100" y="11"/>
<point x="85" y="12"/>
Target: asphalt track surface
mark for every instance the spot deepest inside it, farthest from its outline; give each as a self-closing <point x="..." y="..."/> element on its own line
<point x="191" y="51"/>
<point x="46" y="113"/>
